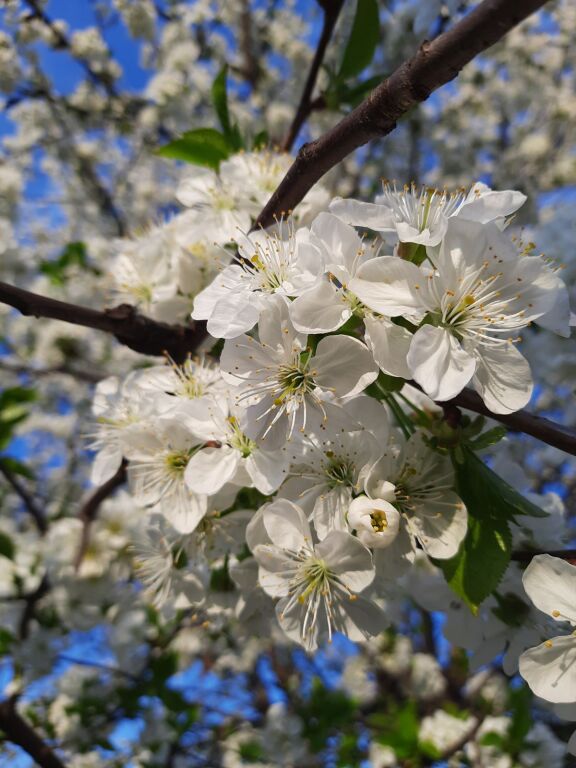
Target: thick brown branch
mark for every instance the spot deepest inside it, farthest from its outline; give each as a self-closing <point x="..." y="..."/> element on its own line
<point x="140" y="333"/>
<point x="19" y="732"/>
<point x="89" y="509"/>
<point x="331" y="13"/>
<point x="434" y="65"/>
<point x="543" y="429"/>
<point x="36" y="512"/>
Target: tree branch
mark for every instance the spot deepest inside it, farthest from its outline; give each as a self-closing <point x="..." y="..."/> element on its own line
<point x="19" y="732"/>
<point x="563" y="554"/>
<point x="63" y="43"/>
<point x="136" y="331"/>
<point x="89" y="509"/>
<point x="331" y="13"/>
<point x="434" y="65"/>
<point x="28" y="500"/>
<point x="543" y="429"/>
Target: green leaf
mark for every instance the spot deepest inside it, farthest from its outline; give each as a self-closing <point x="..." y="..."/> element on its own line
<point x="520" y="701"/>
<point x="220" y="99"/>
<point x="344" y="94"/>
<point x="383" y="385"/>
<point x="488" y="438"/>
<point x="477" y="569"/>
<point x="363" y="39"/>
<point x="74" y="255"/>
<point x="13" y="409"/>
<point x="397" y="728"/>
<point x="261" y="140"/>
<point x="16" y="467"/>
<point x="511" y="609"/>
<point x="7" y="548"/>
<point x="6" y="640"/>
<point x="204" y="146"/>
<point x="506" y="501"/>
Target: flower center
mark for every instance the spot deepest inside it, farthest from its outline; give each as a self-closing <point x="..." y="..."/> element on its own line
<point x="313" y="576"/>
<point x="339" y="471"/>
<point x="177" y="461"/>
<point x="238" y="439"/>
<point x="295" y="380"/>
<point x="378" y="520"/>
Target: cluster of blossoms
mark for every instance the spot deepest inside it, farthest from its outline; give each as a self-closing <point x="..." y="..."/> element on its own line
<point x="315" y="321"/>
<point x="163" y="269"/>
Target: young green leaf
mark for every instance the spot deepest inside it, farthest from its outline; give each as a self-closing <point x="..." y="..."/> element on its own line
<point x="220" y="99"/>
<point x="204" y="146"/>
<point x="363" y="40"/>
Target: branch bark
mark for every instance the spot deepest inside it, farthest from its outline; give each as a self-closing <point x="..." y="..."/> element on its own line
<point x="563" y="554"/>
<point x="36" y="512"/>
<point x="543" y="429"/>
<point x="331" y="13"/>
<point x="19" y="732"/>
<point x="434" y="65"/>
<point x="140" y="333"/>
<point x="89" y="509"/>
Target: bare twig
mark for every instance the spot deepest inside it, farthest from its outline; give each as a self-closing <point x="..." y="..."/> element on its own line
<point x="250" y="67"/>
<point x="36" y="512"/>
<point x="89" y="509"/>
<point x="434" y="65"/>
<point x="331" y="12"/>
<point x="19" y="732"/>
<point x="140" y="333"/>
<point x="31" y="600"/>
<point x="63" y="43"/>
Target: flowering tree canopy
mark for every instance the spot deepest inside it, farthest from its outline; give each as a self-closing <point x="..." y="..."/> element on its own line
<point x="286" y="447"/>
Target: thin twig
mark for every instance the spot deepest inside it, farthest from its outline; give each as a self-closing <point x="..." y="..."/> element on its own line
<point x="36" y="512"/>
<point x="89" y="509"/>
<point x="331" y="13"/>
<point x="435" y="64"/>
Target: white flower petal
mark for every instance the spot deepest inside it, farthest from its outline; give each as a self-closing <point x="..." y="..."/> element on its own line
<point x="550" y="669"/>
<point x="503" y="379"/>
<point x="343" y="365"/>
<point x="551" y="585"/>
<point x="439" y="363"/>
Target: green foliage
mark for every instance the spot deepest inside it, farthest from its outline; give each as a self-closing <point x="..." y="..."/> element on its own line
<point x="324" y="713"/>
<point x="6" y="640"/>
<point x="7" y="548"/>
<point x="364" y="38"/>
<point x="16" y="467"/>
<point x="384" y="384"/>
<point x="208" y="147"/>
<point x="204" y="146"/>
<point x="511" y="609"/>
<point x="14" y="403"/>
<point x="398" y="728"/>
<point x="220" y="100"/>
<point x="477" y="569"/>
<point x="74" y="255"/>
<point x="475" y="572"/>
